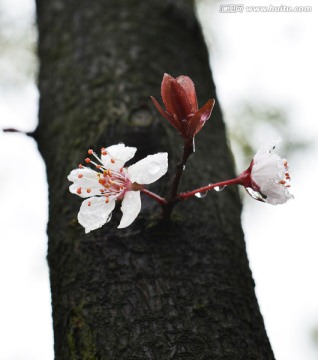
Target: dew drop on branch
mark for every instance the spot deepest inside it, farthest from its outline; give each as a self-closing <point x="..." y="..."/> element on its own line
<point x="220" y="188"/>
<point x="201" y="195"/>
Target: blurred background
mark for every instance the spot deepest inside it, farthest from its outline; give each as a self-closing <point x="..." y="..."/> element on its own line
<point x="264" y="65"/>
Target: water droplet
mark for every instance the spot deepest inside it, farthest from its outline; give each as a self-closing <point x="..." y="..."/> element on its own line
<point x="220" y="188"/>
<point x="201" y="195"/>
<point x="154" y="167"/>
<point x="255" y="194"/>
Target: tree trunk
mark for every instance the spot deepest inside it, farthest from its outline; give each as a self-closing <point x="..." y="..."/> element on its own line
<point x="178" y="289"/>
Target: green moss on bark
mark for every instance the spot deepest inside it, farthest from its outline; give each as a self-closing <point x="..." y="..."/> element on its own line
<point x="80" y="337"/>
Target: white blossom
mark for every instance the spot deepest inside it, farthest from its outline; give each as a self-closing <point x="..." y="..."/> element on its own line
<point x="111" y="181"/>
<point x="270" y="177"/>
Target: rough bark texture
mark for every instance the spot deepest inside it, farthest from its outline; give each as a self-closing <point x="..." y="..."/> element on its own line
<point x="178" y="289"/>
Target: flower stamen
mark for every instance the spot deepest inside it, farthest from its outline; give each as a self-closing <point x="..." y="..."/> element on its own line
<point x="106" y="181"/>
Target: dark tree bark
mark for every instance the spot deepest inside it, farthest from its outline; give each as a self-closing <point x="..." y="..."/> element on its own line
<point x="178" y="289"/>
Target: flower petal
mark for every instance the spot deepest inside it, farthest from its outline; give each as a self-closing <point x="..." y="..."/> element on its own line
<point x="87" y="180"/>
<point x="175" y="98"/>
<point x="198" y="120"/>
<point x="270" y="173"/>
<point x="166" y="115"/>
<point x="130" y="208"/>
<point x="268" y="168"/>
<point x="166" y="92"/>
<point x="95" y="212"/>
<point x="264" y="151"/>
<point x="277" y="194"/>
<point x="182" y="107"/>
<point x="117" y="156"/>
<point x="189" y="89"/>
<point x="149" y="169"/>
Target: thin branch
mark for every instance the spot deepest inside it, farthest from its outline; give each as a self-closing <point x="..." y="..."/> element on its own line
<point x="188" y="194"/>
<point x="12" y="130"/>
<point x="161" y="201"/>
<point x="188" y="149"/>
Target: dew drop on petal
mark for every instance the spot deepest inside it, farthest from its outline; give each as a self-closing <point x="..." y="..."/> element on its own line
<point x="255" y="194"/>
<point x="201" y="195"/>
<point x="154" y="167"/>
<point x="220" y="188"/>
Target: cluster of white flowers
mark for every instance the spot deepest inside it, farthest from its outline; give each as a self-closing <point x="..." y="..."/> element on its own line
<point x="111" y="181"/>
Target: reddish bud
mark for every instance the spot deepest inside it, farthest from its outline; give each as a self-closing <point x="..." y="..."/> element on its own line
<point x="180" y="100"/>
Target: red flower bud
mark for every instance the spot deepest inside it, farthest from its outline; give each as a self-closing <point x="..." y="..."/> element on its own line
<point x="180" y="100"/>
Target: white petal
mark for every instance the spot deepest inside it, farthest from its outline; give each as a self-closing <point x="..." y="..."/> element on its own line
<point x="268" y="170"/>
<point x="130" y="207"/>
<point x="95" y="215"/>
<point x="266" y="150"/>
<point x="277" y="194"/>
<point x="88" y="180"/>
<point x="149" y="169"/>
<point x="117" y="156"/>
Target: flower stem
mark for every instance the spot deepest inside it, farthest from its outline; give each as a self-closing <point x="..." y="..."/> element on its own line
<point x="188" y="149"/>
<point x="188" y="194"/>
<point x="169" y="203"/>
<point x="161" y="201"/>
<point x="167" y="207"/>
